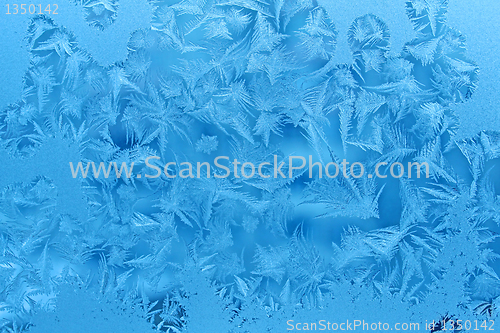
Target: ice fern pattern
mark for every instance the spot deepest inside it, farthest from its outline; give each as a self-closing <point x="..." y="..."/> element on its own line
<point x="250" y="80"/>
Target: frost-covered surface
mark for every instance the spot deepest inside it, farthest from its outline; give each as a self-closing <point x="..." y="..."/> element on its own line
<point x="480" y="24"/>
<point x="245" y="79"/>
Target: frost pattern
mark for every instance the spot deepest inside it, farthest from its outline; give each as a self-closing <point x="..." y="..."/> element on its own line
<point x="100" y="13"/>
<point x="247" y="79"/>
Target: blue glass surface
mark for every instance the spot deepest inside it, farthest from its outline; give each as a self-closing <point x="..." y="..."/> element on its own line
<point x="249" y="166"/>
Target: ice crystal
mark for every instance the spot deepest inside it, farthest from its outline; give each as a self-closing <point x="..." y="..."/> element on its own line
<point x="256" y="81"/>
